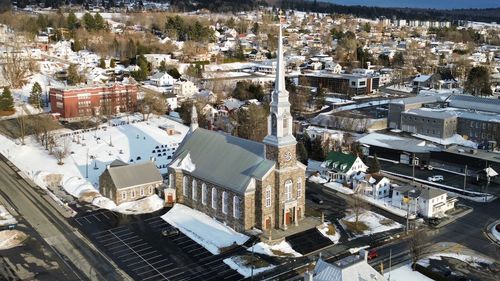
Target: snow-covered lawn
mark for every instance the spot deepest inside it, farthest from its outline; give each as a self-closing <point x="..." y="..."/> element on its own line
<point x="131" y="143"/>
<point x="5" y="217"/>
<point x="11" y="238"/>
<point x="243" y="267"/>
<point x="206" y="231"/>
<point x="375" y="222"/>
<point x="282" y="249"/>
<point x="142" y="206"/>
<point x="406" y="273"/>
<point x="471" y="260"/>
<point x="401" y="88"/>
<point x="339" y="187"/>
<point x="324" y="230"/>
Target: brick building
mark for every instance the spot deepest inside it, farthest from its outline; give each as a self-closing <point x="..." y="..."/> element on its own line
<point x="76" y="102"/>
<point x="244" y="183"/>
<point x="346" y="84"/>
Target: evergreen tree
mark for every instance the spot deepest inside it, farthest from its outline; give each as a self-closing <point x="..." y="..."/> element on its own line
<point x="102" y="63"/>
<point x="320" y="99"/>
<point x="35" y="98"/>
<point x="72" y="21"/>
<point x="374" y="166"/>
<point x="89" y="22"/>
<point x="99" y="22"/>
<point x="255" y="28"/>
<point x="73" y="75"/>
<point x="478" y="81"/>
<point x="174" y="73"/>
<point x="112" y="63"/>
<point x="6" y="100"/>
<point x="317" y="150"/>
<point x="163" y="66"/>
<point x="302" y="152"/>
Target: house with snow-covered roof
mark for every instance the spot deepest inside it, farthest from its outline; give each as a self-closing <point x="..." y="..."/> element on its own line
<point x="341" y="166"/>
<point x="161" y="79"/>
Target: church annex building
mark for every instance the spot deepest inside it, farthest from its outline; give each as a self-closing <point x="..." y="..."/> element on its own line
<point x="240" y="182"/>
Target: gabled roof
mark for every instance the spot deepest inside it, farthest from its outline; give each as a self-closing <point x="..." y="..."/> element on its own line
<point x="159" y="75"/>
<point x="340" y="161"/>
<point x="224" y="160"/>
<point x="124" y="176"/>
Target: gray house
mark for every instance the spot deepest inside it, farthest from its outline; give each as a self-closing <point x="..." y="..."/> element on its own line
<point x="433" y="123"/>
<point x="122" y="182"/>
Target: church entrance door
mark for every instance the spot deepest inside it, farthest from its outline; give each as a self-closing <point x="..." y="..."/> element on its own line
<point x="268" y="223"/>
<point x="170" y="199"/>
<point x="288" y="217"/>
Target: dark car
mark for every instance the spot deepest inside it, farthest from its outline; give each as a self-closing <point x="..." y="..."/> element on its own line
<point x="170" y="231"/>
<point x="316" y="199"/>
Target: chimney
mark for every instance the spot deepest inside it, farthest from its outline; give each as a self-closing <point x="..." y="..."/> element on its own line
<point x="107" y="166"/>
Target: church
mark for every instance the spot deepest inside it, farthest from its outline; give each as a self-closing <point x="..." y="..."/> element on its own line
<point x="243" y="183"/>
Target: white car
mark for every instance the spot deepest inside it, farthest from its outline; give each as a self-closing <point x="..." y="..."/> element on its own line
<point x="436" y="178"/>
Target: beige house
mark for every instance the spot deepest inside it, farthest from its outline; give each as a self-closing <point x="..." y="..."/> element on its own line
<point x="244" y="183"/>
<point x="122" y="182"/>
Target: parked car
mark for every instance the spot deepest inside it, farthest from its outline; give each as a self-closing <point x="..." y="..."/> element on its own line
<point x="316" y="199"/>
<point x="436" y="178"/>
<point x="430" y="168"/>
<point x="170" y="231"/>
<point x="372" y="254"/>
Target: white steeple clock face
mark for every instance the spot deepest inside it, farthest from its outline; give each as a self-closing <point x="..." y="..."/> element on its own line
<point x="288" y="156"/>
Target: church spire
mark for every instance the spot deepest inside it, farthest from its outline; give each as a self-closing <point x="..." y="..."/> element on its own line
<point x="279" y="86"/>
<point x="194" y="119"/>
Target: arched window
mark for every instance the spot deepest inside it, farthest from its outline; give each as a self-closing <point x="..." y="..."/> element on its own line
<point x="185" y="186"/>
<point x="214" y="198"/>
<point x="194" y="190"/>
<point x="288" y="190"/>
<point x="268" y="196"/>
<point x="236" y="207"/>
<point x="224" y="202"/>
<point x="204" y="194"/>
<point x="299" y="187"/>
<point x="170" y="180"/>
<point x="274" y="124"/>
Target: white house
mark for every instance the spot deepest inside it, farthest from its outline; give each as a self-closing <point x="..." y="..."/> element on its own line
<point x="341" y="166"/>
<point x="428" y="202"/>
<point x="373" y="185"/>
<point x="156" y="59"/>
<point x="161" y="79"/>
<point x="333" y="67"/>
<point x="184" y="89"/>
<point x="171" y="101"/>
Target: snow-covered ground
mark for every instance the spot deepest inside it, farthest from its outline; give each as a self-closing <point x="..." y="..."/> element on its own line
<point x="471" y="260"/>
<point x="405" y="273"/>
<point x="282" y="249"/>
<point x="131" y="143"/>
<point x="243" y="268"/>
<point x="455" y="139"/>
<point x="373" y="221"/>
<point x="339" y="187"/>
<point x="11" y="238"/>
<point x="5" y="217"/>
<point x="324" y="230"/>
<point x="206" y="231"/>
<point x="317" y="179"/>
<point x="385" y="203"/>
<point x="400" y="88"/>
<point x="145" y="205"/>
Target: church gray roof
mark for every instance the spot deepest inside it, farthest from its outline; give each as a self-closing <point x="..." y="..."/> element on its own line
<point x="221" y="159"/>
<point x="124" y="176"/>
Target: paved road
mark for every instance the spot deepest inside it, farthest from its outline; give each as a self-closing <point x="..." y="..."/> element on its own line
<point x="81" y="260"/>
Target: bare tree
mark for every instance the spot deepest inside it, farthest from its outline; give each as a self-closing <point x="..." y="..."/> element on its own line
<point x="15" y="68"/>
<point x="61" y="151"/>
<point x="152" y="103"/>
<point x="22" y="124"/>
<point x="417" y="246"/>
<point x="358" y="207"/>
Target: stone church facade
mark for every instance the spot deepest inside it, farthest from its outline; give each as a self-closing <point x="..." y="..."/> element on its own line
<point x="243" y="183"/>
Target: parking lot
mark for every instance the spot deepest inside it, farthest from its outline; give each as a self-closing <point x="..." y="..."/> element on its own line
<point x="137" y="246"/>
<point x="308" y="241"/>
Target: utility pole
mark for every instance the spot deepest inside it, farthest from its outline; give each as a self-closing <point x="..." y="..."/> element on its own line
<point x="407" y="215"/>
<point x="253" y="261"/>
<point x="87" y="165"/>
<point x="390" y="263"/>
<point x="413" y="167"/>
<point x="465" y="176"/>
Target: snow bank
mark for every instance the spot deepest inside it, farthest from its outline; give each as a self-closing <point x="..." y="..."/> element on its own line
<point x="455" y="139"/>
<point x="5" y="217"/>
<point x="243" y="268"/>
<point x="373" y="221"/>
<point x="317" y="179"/>
<point x="11" y="238"/>
<point x="206" y="231"/>
<point x="471" y="260"/>
<point x="405" y="272"/>
<point x="185" y="164"/>
<point x="339" y="187"/>
<point x="280" y="250"/>
<point x="149" y="204"/>
<point x="324" y="230"/>
<point x="104" y="202"/>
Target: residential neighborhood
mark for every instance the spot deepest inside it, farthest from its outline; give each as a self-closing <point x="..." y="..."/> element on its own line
<point x="249" y="140"/>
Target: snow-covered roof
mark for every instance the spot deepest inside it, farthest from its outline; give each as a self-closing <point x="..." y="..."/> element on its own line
<point x="397" y="143"/>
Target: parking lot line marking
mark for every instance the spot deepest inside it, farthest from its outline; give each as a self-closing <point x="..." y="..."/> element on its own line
<point x="150" y="258"/>
<point x="97" y="218"/>
<point x="143" y="249"/>
<point x="123" y="255"/>
<point x="143" y="259"/>
<point x="78" y="222"/>
<point x="131" y="259"/>
<point x="154" y="276"/>
<point x="233" y="275"/>
<point x="114" y="253"/>
<point x="108" y="232"/>
<point x="192" y="245"/>
<point x="181" y="238"/>
<point x="168" y="264"/>
<point x="172" y="276"/>
<point x="203" y="254"/>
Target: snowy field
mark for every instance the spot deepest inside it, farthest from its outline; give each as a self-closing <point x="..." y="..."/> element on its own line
<point x="131" y="143"/>
<point x="239" y="264"/>
<point x="471" y="260"/>
<point x="405" y="273"/>
<point x="376" y="223"/>
<point x="206" y="231"/>
<point x="11" y="238"/>
<point x="282" y="249"/>
<point x="324" y="230"/>
<point x="5" y="217"/>
<point x="385" y="203"/>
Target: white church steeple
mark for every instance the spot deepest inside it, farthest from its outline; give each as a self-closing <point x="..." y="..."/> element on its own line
<point x="280" y="119"/>
<point x="194" y="119"/>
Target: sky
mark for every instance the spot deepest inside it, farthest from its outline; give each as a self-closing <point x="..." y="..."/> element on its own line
<point x="436" y="4"/>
